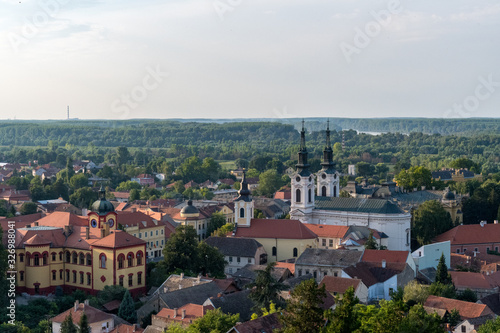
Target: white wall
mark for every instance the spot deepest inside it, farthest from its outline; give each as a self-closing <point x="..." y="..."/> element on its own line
<point x="428" y="255"/>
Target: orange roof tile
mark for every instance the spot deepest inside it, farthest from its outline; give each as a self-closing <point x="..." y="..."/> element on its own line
<point x="93" y="315"/>
<point x="61" y="219"/>
<point x="121" y="206"/>
<point x="118" y="238"/>
<point x="52" y="236"/>
<point x="289" y="265"/>
<point x="124" y="328"/>
<point x="471" y="234"/>
<point x="37" y="240"/>
<point x="471" y="280"/>
<point x="193" y="311"/>
<point x="466" y="309"/>
<point x="339" y="284"/>
<point x="387" y="255"/>
<point x="275" y="228"/>
<point x="329" y="231"/>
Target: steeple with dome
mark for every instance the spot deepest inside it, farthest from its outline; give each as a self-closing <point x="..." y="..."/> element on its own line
<point x="103" y="215"/>
<point x="327" y="177"/>
<point x="243" y="205"/>
<point x="303" y="165"/>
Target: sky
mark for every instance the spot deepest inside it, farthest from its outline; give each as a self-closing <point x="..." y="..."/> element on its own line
<point x="249" y="59"/>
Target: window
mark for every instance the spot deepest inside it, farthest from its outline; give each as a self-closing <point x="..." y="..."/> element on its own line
<point x="230" y="259"/>
<point x="458" y="250"/>
<point x="60" y="256"/>
<point x="309" y="196"/>
<point x="67" y="275"/>
<point x="21" y="276"/>
<point x="37" y="260"/>
<point x="68" y="257"/>
<point x="82" y="259"/>
<point x="323" y="242"/>
<point x="238" y="259"/>
<point x="54" y="256"/>
<point x="81" y="277"/>
<point x="53" y="275"/>
<point x="475" y="249"/>
<point x="487" y="249"/>
<point x="323" y="191"/>
<point x="300" y="272"/>
<point x="140" y="235"/>
<point x="242" y="212"/>
<point x="335" y="191"/>
<point x="465" y="250"/>
<point x="335" y="274"/>
<point x="297" y="195"/>
<point x="295" y="252"/>
<point x="75" y="258"/>
<point x="156" y="243"/>
<point x="89" y="280"/>
<point x="139" y="278"/>
<point x="121" y="281"/>
<point x="121" y="259"/>
<point x="230" y="270"/>
<point x="325" y="273"/>
<point x="496" y="248"/>
<point x="464" y="329"/>
<point x="307" y="271"/>
<point x="89" y="260"/>
<point x="315" y="274"/>
<point x="45" y="258"/>
<point x="330" y="243"/>
<point x="60" y="274"/>
<point x="156" y="232"/>
<point x="151" y="234"/>
<point x="130" y="280"/>
<point x="162" y="242"/>
<point x="102" y="260"/>
<point x="139" y="258"/>
<point x="21" y="258"/>
<point x="74" y="276"/>
<point x="162" y="231"/>
<point x="274" y="251"/>
<point x="249" y="260"/>
<point x="130" y="260"/>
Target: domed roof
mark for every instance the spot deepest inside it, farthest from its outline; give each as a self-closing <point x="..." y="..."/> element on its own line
<point x="102" y="206"/>
<point x="448" y="195"/>
<point x="189" y="209"/>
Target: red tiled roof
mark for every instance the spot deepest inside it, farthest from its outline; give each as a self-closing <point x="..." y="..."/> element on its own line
<point x="275" y="228"/>
<point x="289" y="265"/>
<point x="467" y="310"/>
<point x="93" y="315"/>
<point x="193" y="311"/>
<point x="121" y="206"/>
<point x="113" y="305"/>
<point x="118" y="238"/>
<point x="471" y="234"/>
<point x="267" y="323"/>
<point x="329" y="231"/>
<point x="372" y="273"/>
<point x="61" y="219"/>
<point x="54" y="236"/>
<point x="121" y="195"/>
<point x="387" y="255"/>
<point x="137" y="219"/>
<point x="338" y="284"/>
<point x="471" y="280"/>
<point x="37" y="240"/>
<point x="124" y="328"/>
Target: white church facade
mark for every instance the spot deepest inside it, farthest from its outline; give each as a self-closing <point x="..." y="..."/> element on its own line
<point x="315" y="199"/>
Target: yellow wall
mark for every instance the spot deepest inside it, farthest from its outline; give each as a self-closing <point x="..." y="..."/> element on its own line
<point x="99" y="272"/>
<point x="285" y="247"/>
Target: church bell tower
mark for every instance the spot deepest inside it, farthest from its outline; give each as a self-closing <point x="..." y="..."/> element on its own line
<point x="243" y="205"/>
<point x="328" y="177"/>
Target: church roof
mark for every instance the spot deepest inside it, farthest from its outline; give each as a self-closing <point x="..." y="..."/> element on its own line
<point x="118" y="238"/>
<point x="360" y="205"/>
<point x="275" y="228"/>
<point x="37" y="240"/>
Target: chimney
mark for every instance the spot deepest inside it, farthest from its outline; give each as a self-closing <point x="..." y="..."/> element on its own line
<point x="219" y="295"/>
<point x="383" y="263"/>
<point x="66" y="230"/>
<point x="482" y="223"/>
<point x="183" y="313"/>
<point x="76" y="305"/>
<point x="106" y="228"/>
<point x="86" y="302"/>
<point x="134" y="327"/>
<point x="198" y="279"/>
<point x="35" y="223"/>
<point x="182" y="276"/>
<point x="495" y="222"/>
<point x="175" y="312"/>
<point x="85" y="211"/>
<point x="103" y="233"/>
<point x="133" y="209"/>
<point x="87" y="232"/>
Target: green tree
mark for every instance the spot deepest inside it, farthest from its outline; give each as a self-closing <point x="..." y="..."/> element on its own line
<point x="211" y="261"/>
<point x="269" y="182"/>
<point x="211" y="169"/>
<point x="83" y="197"/>
<point x="265" y="289"/>
<point x="67" y="325"/>
<point x="418" y="320"/>
<point x="181" y="250"/>
<point x="28" y="208"/>
<point x="371" y="244"/>
<point x="345" y="316"/>
<point x="134" y="195"/>
<point x="127" y="308"/>
<point x="224" y="230"/>
<point x="217" y="220"/>
<point x="84" y="324"/>
<point x="491" y="326"/>
<point x="454" y="317"/>
<point x="79" y="180"/>
<point x="415" y="177"/>
<point x="364" y="169"/>
<point x="122" y="155"/>
<point x="304" y="313"/>
<point x="214" y="321"/>
<point x="430" y="220"/>
<point x="442" y="275"/>
<point x="468" y="296"/>
<point x="415" y="292"/>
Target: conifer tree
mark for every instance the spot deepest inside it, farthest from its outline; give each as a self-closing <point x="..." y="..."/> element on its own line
<point x="67" y="325"/>
<point x="442" y="274"/>
<point x="84" y="324"/>
<point x="127" y="308"/>
<point x="371" y="244"/>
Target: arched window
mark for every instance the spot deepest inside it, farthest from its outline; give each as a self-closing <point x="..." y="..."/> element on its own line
<point x="68" y="257"/>
<point x="335" y="191"/>
<point x="242" y="212"/>
<point x="89" y="260"/>
<point x="82" y="259"/>
<point x="139" y="258"/>
<point x="121" y="259"/>
<point x="130" y="260"/>
<point x="60" y="256"/>
<point x="297" y="195"/>
<point x="139" y="278"/>
<point x="274" y="251"/>
<point x="37" y="260"/>
<point x="45" y="258"/>
<point x="102" y="260"/>
<point x="28" y="259"/>
<point x="21" y="258"/>
<point x="75" y="258"/>
<point x="323" y="191"/>
<point x="295" y="252"/>
<point x="54" y="256"/>
<point x="309" y="196"/>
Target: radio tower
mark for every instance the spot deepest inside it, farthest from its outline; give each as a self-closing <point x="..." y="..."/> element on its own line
<point x="68" y="112"/>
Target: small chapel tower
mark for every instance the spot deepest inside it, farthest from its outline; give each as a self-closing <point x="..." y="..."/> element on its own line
<point x="243" y="205"/>
<point x="327" y="177"/>
<point x="302" y="185"/>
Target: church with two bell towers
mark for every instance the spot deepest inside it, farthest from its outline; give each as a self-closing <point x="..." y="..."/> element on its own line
<point x="315" y="200"/>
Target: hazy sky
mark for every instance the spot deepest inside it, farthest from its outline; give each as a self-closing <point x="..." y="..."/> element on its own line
<point x="242" y="58"/>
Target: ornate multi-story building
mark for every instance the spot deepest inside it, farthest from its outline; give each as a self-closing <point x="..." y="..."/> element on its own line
<point x="75" y="252"/>
<point x="326" y="207"/>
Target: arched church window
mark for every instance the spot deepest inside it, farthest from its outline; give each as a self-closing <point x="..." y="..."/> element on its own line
<point x="102" y="261"/>
<point x="295" y="252"/>
<point x="242" y="212"/>
<point x="297" y="195"/>
<point x="323" y="191"/>
<point x="309" y="196"/>
<point x="274" y="251"/>
<point x="335" y="191"/>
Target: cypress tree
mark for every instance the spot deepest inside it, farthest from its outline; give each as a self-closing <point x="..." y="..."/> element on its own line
<point x="127" y="308"/>
<point x="442" y="274"/>
<point x="84" y="324"/>
<point x="67" y="325"/>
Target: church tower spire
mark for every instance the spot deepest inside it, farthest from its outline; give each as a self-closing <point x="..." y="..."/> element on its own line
<point x="327" y="177"/>
<point x="302" y="165"/>
<point x="243" y="205"/>
<point x="328" y="152"/>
